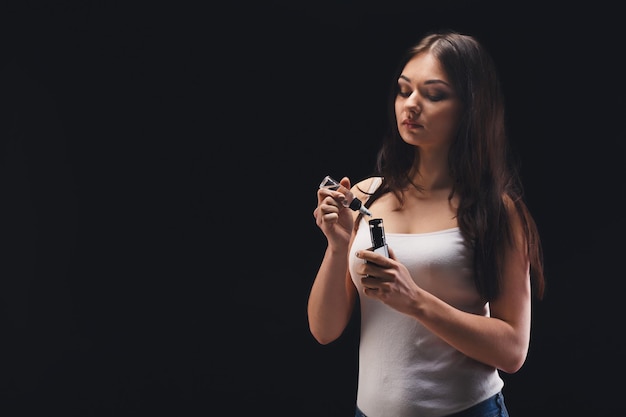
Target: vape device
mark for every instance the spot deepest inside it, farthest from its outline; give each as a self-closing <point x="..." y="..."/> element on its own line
<point x="377" y="234"/>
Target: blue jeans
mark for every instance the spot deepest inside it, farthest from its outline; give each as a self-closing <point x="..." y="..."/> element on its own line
<point x="491" y="407"/>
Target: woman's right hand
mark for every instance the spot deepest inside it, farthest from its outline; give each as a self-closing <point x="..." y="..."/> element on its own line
<point x="332" y="217"/>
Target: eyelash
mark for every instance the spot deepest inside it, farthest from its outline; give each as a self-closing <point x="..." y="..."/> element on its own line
<point x="439" y="97"/>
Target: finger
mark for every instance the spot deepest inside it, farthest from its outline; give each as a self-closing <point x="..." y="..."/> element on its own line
<point x="331" y="201"/>
<point x="325" y="194"/>
<point x="370" y="281"/>
<point x="370" y="291"/>
<point x="374" y="258"/>
<point x="345" y="181"/>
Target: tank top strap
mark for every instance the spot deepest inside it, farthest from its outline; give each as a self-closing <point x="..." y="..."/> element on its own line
<point x="375" y="184"/>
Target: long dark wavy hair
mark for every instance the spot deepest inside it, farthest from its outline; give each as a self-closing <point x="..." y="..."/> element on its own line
<point x="480" y="161"/>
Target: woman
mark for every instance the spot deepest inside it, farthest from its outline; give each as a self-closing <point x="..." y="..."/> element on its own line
<point x="451" y="306"/>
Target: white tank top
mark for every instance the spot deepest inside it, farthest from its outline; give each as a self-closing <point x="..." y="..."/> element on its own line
<point x="404" y="369"/>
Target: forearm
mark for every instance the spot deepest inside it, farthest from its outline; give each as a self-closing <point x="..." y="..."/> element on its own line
<point x="490" y="340"/>
<point x="332" y="297"/>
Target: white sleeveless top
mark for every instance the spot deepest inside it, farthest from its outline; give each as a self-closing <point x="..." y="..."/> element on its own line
<point x="404" y="369"/>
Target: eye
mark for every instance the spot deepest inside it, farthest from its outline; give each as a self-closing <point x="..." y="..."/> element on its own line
<point x="436" y="94"/>
<point x="436" y="97"/>
<point x="404" y="93"/>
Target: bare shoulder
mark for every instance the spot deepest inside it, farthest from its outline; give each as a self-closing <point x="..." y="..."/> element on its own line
<point x="365" y="187"/>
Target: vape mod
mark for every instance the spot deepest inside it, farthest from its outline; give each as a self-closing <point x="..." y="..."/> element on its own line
<point x="377" y="234"/>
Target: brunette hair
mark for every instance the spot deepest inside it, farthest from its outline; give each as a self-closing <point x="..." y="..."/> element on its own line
<point x="484" y="172"/>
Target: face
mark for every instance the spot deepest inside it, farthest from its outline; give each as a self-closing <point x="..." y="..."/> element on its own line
<point x="428" y="110"/>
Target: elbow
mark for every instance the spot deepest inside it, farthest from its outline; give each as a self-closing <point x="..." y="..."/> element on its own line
<point x="513" y="352"/>
<point x="323" y="338"/>
<point x="512" y="368"/>
<point x="326" y="330"/>
<point x="514" y="363"/>
<point x="322" y="341"/>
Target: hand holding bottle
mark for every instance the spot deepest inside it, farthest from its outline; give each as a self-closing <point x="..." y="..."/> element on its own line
<point x="350" y="200"/>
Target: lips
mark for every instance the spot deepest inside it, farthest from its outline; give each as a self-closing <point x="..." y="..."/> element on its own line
<point x="410" y="124"/>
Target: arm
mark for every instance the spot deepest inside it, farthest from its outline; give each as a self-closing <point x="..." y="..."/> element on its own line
<point x="332" y="297"/>
<point x="501" y="340"/>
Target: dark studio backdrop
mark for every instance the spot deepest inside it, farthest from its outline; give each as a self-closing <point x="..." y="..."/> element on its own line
<point x="159" y="163"/>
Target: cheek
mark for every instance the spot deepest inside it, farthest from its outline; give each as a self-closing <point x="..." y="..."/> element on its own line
<point x="456" y="116"/>
<point x="449" y="126"/>
<point x="449" y="118"/>
<point x="443" y="124"/>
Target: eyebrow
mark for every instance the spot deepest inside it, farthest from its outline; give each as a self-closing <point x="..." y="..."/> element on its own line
<point x="407" y="79"/>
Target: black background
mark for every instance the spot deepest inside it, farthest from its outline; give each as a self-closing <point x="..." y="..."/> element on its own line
<point x="159" y="167"/>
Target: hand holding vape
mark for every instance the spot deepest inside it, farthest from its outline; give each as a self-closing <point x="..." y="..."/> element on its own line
<point x="350" y="201"/>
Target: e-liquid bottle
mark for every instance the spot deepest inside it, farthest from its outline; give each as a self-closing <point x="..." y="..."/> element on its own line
<point x="350" y="201"/>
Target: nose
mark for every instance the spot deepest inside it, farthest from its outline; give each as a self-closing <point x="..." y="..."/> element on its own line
<point x="413" y="103"/>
